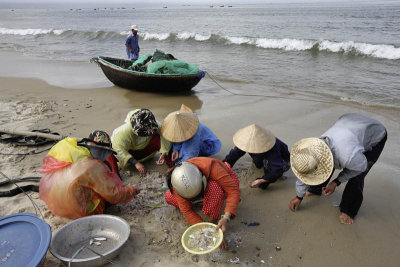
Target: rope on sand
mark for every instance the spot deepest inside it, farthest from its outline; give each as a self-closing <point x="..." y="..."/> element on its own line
<point x="33" y="202"/>
<point x="16" y="191"/>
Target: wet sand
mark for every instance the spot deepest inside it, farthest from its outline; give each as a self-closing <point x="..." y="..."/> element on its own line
<point x="312" y="236"/>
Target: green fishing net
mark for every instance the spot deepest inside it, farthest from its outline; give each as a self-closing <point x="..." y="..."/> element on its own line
<point x="162" y="63"/>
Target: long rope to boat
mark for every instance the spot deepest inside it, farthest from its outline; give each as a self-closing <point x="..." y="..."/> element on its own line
<point x="268" y="96"/>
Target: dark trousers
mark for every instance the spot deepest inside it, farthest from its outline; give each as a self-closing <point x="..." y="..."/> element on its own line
<point x="353" y="192"/>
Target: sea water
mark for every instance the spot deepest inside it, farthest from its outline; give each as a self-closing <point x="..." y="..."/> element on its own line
<point x="339" y="51"/>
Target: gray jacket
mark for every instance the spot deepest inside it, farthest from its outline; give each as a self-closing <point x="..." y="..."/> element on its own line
<point x="350" y="136"/>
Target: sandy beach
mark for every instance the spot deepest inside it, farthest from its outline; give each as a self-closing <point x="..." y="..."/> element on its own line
<point x="312" y="236"/>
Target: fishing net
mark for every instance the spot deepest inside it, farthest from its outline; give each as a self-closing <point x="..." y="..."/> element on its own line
<point x="160" y="55"/>
<point x="162" y="63"/>
<point x="139" y="64"/>
<point x="172" y="67"/>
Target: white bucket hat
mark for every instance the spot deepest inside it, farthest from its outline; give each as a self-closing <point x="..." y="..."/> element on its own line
<point x="134" y="27"/>
<point x="311" y="161"/>
<point x="254" y="139"/>
<point x="187" y="180"/>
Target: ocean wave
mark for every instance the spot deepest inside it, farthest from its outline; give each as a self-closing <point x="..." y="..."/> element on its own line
<point x="384" y="51"/>
<point x="362" y="49"/>
<point x="194" y="36"/>
<point x="6" y="31"/>
<point x="155" y="36"/>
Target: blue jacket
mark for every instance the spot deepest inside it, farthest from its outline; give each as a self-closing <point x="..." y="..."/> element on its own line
<point x="133" y="42"/>
<point x="203" y="143"/>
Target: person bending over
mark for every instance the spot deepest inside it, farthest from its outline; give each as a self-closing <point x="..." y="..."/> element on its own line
<point x="189" y="137"/>
<point x="208" y="179"/>
<point x="265" y="149"/>
<point x="138" y="139"/>
<point x="353" y="144"/>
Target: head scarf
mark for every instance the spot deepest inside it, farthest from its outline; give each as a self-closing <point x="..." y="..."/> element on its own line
<point x="100" y="138"/>
<point x="99" y="145"/>
<point x="144" y="123"/>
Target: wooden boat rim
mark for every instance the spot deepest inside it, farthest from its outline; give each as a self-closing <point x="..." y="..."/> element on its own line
<point x="116" y="67"/>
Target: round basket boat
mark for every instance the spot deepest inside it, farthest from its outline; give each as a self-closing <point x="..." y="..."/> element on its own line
<point x="196" y="227"/>
<point x="82" y="241"/>
<point x="116" y="70"/>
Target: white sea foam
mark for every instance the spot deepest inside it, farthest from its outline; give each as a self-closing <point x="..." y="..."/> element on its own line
<point x="58" y="32"/>
<point x="190" y="35"/>
<point x="373" y="50"/>
<point x="29" y="31"/>
<point x="385" y="51"/>
<point x="285" y="44"/>
<point x="239" y="40"/>
<point x="362" y="49"/>
<point x="200" y="37"/>
<point x="154" y="36"/>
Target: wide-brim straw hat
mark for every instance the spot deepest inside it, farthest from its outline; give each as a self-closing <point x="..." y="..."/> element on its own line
<point x="180" y="126"/>
<point x="254" y="139"/>
<point x="311" y="160"/>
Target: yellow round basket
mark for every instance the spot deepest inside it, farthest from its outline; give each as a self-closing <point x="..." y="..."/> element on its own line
<point x="191" y="231"/>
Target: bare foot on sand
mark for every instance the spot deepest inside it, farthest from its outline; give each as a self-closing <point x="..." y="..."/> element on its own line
<point x="345" y="219"/>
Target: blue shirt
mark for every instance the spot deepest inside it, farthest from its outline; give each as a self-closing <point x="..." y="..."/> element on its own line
<point x="203" y="143"/>
<point x="348" y="139"/>
<point x="275" y="161"/>
<point x="133" y="42"/>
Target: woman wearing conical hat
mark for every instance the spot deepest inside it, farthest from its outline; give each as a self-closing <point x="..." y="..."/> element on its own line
<point x="353" y="144"/>
<point x="188" y="136"/>
<point x="265" y="149"/>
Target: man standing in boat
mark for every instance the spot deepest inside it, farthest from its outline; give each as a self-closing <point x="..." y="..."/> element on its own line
<point x="132" y="44"/>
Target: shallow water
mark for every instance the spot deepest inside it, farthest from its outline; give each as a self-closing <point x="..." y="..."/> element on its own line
<point x="325" y="51"/>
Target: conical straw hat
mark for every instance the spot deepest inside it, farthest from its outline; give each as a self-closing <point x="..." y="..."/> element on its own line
<point x="254" y="139"/>
<point x="184" y="107"/>
<point x="311" y="161"/>
<point x="180" y="126"/>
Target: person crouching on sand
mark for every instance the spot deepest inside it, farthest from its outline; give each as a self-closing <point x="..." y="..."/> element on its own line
<point x="81" y="179"/>
<point x="189" y="137"/>
<point x="138" y="139"/>
<point x="208" y="179"/>
<point x="265" y="149"/>
<point x="354" y="144"/>
<point x="99" y="145"/>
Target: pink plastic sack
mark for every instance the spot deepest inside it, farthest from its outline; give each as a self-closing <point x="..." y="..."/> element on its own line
<point x="82" y="188"/>
<point x="51" y="164"/>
